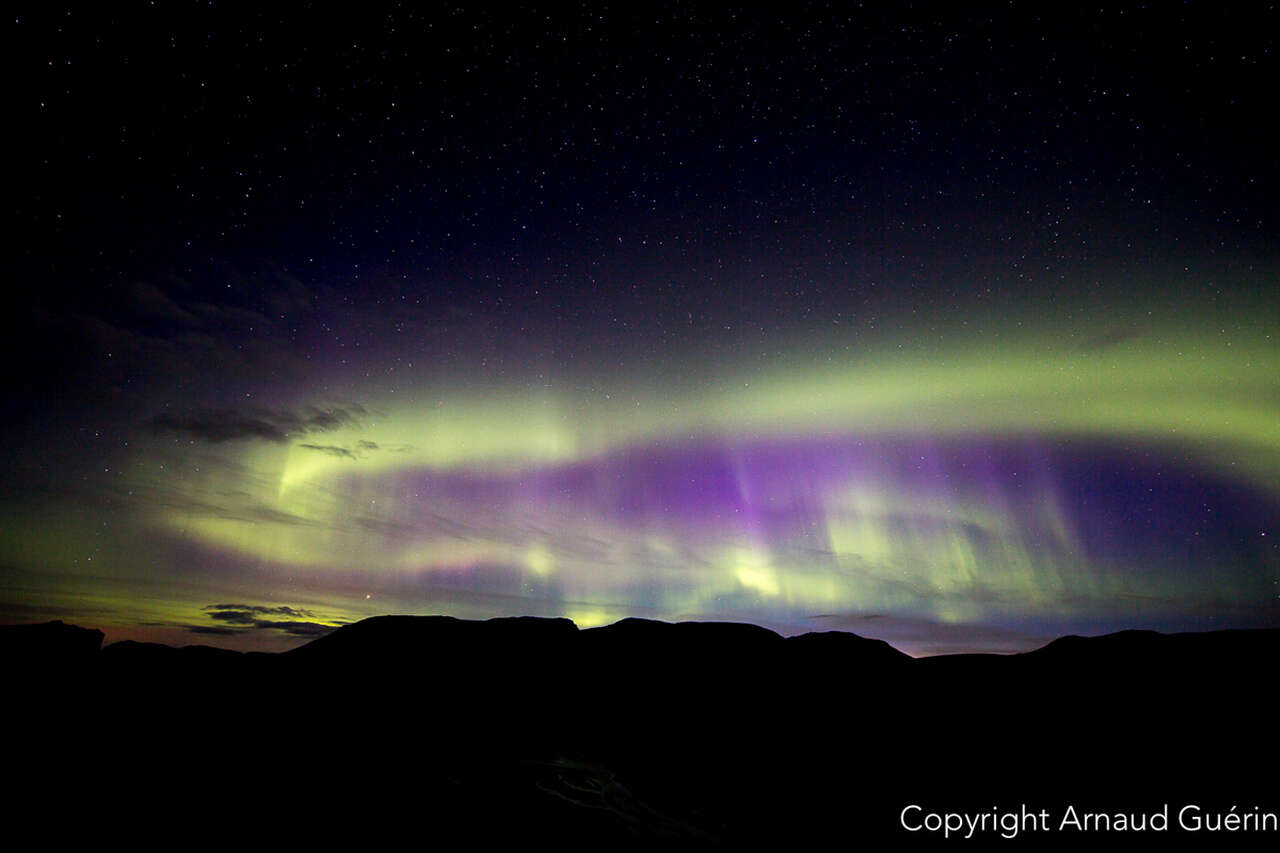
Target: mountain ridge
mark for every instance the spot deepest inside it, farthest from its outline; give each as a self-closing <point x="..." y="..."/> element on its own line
<point x="633" y="735"/>
<point x="77" y="640"/>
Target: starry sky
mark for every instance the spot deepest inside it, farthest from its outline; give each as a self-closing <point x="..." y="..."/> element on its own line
<point x="953" y="325"/>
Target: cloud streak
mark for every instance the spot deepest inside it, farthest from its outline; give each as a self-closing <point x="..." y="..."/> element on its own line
<point x="331" y="450"/>
<point x="215" y="426"/>
<point x="237" y="618"/>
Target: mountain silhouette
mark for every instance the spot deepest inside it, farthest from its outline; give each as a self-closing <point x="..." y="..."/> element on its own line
<point x="636" y="734"/>
<point x="50" y="644"/>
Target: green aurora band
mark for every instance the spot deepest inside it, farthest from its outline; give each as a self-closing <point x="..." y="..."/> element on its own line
<point x="489" y="500"/>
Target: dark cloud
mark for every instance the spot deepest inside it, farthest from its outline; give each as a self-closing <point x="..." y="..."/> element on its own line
<point x="239" y="618"/>
<point x="247" y="614"/>
<point x="330" y="450"/>
<point x="362" y="447"/>
<point x="218" y="425"/>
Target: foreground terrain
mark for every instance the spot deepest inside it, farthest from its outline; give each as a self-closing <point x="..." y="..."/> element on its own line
<point x="642" y="734"/>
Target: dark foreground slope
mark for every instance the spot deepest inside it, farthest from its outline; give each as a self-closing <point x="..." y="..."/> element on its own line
<point x="640" y="734"/>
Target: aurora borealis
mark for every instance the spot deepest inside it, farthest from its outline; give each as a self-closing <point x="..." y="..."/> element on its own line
<point x="927" y="378"/>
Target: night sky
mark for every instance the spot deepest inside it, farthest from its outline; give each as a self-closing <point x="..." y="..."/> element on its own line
<point x="958" y="327"/>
